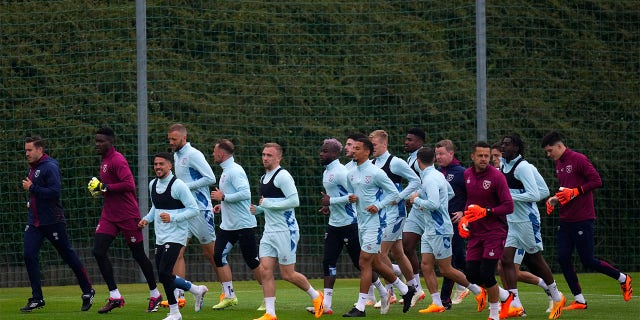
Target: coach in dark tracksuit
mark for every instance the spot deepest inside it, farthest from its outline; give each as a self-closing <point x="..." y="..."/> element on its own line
<point x="46" y="220"/>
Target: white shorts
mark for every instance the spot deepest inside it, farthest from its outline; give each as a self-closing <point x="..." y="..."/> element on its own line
<point x="524" y="235"/>
<point x="370" y="239"/>
<point x="414" y="224"/>
<point x="202" y="227"/>
<point x="281" y="245"/>
<point x="437" y="245"/>
<point x="393" y="231"/>
<point x="519" y="256"/>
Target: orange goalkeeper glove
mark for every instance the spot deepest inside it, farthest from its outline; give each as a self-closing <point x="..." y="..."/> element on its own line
<point x="567" y="194"/>
<point x="549" y="207"/>
<point x="463" y="227"/>
<point x="475" y="212"/>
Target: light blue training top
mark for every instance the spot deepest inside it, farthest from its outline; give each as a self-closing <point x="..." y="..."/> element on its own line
<point x="524" y="200"/>
<point x="433" y="202"/>
<point x="373" y="187"/>
<point x="191" y="167"/>
<point x="279" y="214"/>
<point x="176" y="229"/>
<point x="234" y="184"/>
<point x="334" y="180"/>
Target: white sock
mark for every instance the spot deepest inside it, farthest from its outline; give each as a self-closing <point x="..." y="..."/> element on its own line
<point x="555" y="293"/>
<point x="504" y="294"/>
<point x="475" y="289"/>
<point x="153" y="293"/>
<point x="372" y="295"/>
<point x="494" y="310"/>
<point x="416" y="279"/>
<point x="435" y="297"/>
<point x="516" y="298"/>
<point x="270" y="303"/>
<point x="312" y="293"/>
<point x="362" y="300"/>
<point x="115" y="294"/>
<point x="401" y="286"/>
<point x="380" y="287"/>
<point x="173" y="309"/>
<point x="460" y="287"/>
<point x="227" y="288"/>
<point x="542" y="284"/>
<point x="396" y="269"/>
<point x="328" y="298"/>
<point x="622" y="277"/>
<point x="580" y="298"/>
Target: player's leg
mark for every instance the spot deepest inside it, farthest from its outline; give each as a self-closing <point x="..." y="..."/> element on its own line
<point x="566" y="241"/>
<point x="133" y="236"/>
<point x="333" y="245"/>
<point x="33" y="239"/>
<point x="166" y="256"/>
<point x="222" y="247"/>
<point x="458" y="250"/>
<point x="59" y="237"/>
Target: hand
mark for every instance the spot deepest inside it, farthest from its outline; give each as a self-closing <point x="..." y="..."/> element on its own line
<point x="324" y="210"/>
<point x="326" y="200"/>
<point x="142" y="223"/>
<point x="567" y="194"/>
<point x="353" y="198"/>
<point x="413" y="197"/>
<point x="96" y="186"/>
<point x="26" y="184"/>
<point x="463" y="228"/>
<point x="217" y="209"/>
<point x="261" y="200"/>
<point x="252" y="209"/>
<point x="456" y="216"/>
<point x="372" y="209"/>
<point x="217" y="195"/>
<point x="551" y="203"/>
<point x="165" y="217"/>
<point x="475" y="212"/>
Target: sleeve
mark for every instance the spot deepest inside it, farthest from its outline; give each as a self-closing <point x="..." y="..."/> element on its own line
<point x="388" y="188"/>
<point x="181" y="192"/>
<point x="431" y="200"/>
<point x="152" y="211"/>
<point x="51" y="186"/>
<point x="201" y="165"/>
<point x="402" y="168"/>
<point x="524" y="173"/>
<point x="543" y="189"/>
<point x="125" y="183"/>
<point x="240" y="183"/>
<point x="505" y="201"/>
<point x="285" y="182"/>
<point x="341" y="184"/>
<point x="590" y="174"/>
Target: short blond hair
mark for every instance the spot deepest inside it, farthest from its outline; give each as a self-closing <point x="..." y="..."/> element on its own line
<point x="447" y="144"/>
<point x="274" y="145"/>
<point x="179" y="127"/>
<point x="379" y="134"/>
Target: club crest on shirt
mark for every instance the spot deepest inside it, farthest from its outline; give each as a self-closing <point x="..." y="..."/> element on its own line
<point x="331" y="177"/>
<point x="568" y="168"/>
<point x="184" y="161"/>
<point x="486" y="184"/>
<point x="104" y="168"/>
<point x="367" y="179"/>
<point x="449" y="177"/>
<point x="37" y="173"/>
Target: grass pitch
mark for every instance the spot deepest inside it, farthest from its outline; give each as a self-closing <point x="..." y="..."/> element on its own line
<point x="602" y="293"/>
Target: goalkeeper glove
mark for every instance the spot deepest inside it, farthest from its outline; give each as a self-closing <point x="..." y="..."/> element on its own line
<point x="550" y="207"/>
<point x="475" y="212"/>
<point x="463" y="227"/>
<point x="96" y="186"/>
<point x="567" y="194"/>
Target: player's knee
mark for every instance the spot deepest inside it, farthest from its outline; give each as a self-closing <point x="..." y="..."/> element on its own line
<point x="165" y="276"/>
<point x="330" y="270"/>
<point x="217" y="259"/>
<point x="99" y="253"/>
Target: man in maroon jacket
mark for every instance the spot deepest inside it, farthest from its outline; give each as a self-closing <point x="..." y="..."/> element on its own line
<point x="485" y="224"/>
<point x="577" y="178"/>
